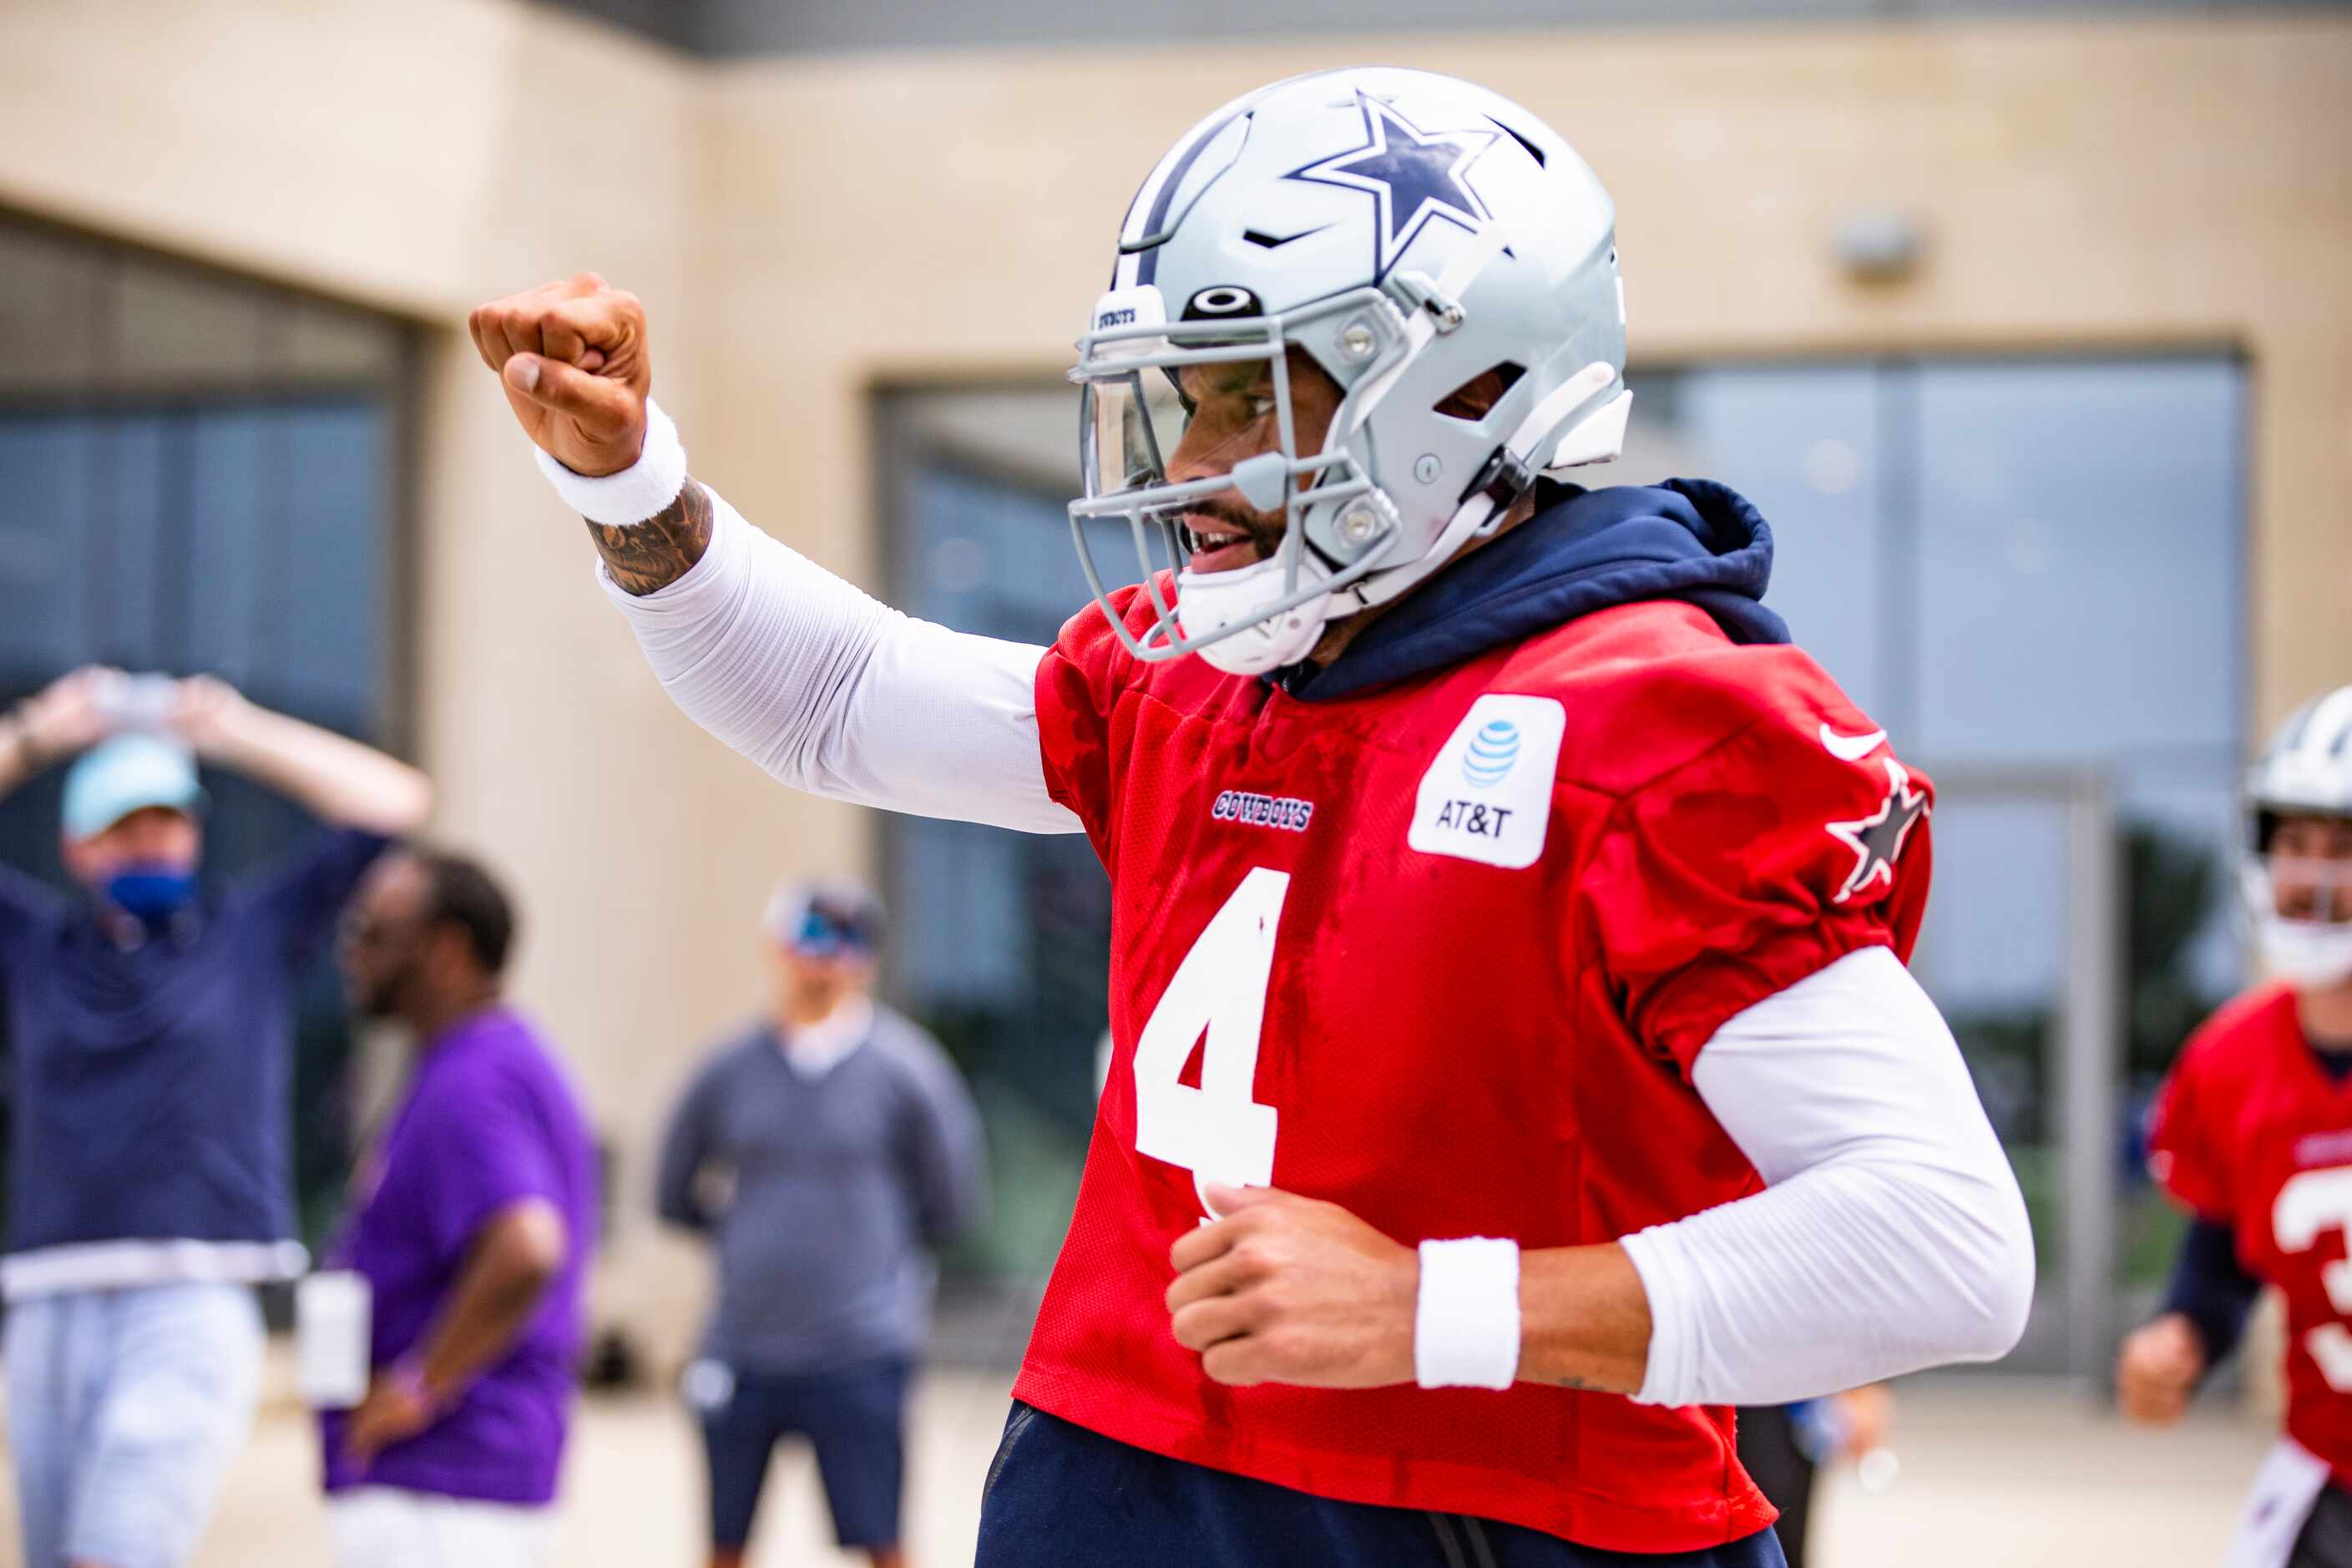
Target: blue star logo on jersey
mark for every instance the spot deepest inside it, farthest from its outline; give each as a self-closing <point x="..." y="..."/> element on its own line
<point x="1413" y="176"/>
<point x="1876" y="840"/>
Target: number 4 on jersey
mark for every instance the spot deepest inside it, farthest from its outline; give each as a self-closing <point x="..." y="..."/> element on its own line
<point x="1218" y="1131"/>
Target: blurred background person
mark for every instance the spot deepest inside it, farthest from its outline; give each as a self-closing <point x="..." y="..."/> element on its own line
<point x="151" y="1025"/>
<point x="1784" y="1447"/>
<point x="474" y="1227"/>
<point x="2253" y="1134"/>
<point x="827" y="1151"/>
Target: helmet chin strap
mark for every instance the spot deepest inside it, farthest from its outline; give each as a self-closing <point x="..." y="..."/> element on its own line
<point x="1208" y="602"/>
<point x="1483" y="511"/>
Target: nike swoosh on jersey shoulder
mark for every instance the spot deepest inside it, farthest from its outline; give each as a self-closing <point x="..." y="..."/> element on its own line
<point x="1851" y="748"/>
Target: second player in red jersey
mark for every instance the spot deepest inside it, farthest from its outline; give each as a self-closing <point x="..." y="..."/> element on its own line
<point x="2254" y="1131"/>
<point x="2252" y="1134"/>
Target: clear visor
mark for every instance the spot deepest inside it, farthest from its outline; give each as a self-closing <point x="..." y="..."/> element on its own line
<point x="1130" y="425"/>
<point x="2309" y="889"/>
<point x="1131" y="421"/>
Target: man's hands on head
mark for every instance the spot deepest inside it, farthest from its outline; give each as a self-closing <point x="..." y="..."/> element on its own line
<point x="572" y="359"/>
<point x="2158" y="1370"/>
<point x="1291" y="1289"/>
<point x="70" y="714"/>
<point x="206" y="714"/>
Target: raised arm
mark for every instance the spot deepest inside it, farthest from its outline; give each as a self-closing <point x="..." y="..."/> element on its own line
<point x="335" y="778"/>
<point x="825" y="688"/>
<point x="65" y="717"/>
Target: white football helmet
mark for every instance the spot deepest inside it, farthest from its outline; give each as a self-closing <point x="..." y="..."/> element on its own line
<point x="2306" y="771"/>
<point x="1409" y="233"/>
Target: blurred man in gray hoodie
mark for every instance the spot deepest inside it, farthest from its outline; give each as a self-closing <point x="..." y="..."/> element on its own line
<point x="827" y="1150"/>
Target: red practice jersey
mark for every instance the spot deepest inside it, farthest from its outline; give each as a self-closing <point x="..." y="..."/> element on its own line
<point x="2250" y="1130"/>
<point x="1442" y="952"/>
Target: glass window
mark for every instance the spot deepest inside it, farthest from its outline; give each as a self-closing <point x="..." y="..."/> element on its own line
<point x="2078" y="562"/>
<point x="1003" y="940"/>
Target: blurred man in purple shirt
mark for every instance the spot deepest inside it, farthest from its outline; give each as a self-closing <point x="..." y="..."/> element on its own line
<point x="474" y="1227"/>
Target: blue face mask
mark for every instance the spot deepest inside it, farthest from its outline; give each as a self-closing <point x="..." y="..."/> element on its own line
<point x="152" y="895"/>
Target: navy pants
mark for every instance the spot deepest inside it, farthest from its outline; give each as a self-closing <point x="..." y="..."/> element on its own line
<point x="855" y="1417"/>
<point x="1059" y="1496"/>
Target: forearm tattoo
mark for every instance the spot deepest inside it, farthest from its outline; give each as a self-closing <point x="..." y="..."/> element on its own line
<point x="659" y="550"/>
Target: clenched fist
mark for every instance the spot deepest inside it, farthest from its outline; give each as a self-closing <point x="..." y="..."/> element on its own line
<point x="2158" y="1370"/>
<point x="1292" y="1290"/>
<point x="572" y="356"/>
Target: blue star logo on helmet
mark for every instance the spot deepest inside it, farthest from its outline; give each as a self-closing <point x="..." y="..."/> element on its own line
<point x="1413" y="176"/>
<point x="1492" y="751"/>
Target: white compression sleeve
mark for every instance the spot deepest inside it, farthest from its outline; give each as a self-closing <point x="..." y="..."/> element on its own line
<point x="837" y="694"/>
<point x="1891" y="1235"/>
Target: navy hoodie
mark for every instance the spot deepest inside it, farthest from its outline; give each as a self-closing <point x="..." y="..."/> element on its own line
<point x="1582" y="550"/>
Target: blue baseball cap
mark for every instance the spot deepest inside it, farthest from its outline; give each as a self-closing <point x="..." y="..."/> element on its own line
<point x="128" y="773"/>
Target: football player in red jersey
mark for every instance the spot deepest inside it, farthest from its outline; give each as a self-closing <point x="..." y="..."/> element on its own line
<point x="1514" y="1063"/>
<point x="2254" y="1134"/>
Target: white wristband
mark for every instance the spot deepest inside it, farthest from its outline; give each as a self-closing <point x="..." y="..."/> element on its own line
<point x="1465" y="1322"/>
<point x="636" y="492"/>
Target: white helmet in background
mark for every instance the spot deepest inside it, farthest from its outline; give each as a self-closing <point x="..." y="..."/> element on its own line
<point x="1409" y="233"/>
<point x="2306" y="771"/>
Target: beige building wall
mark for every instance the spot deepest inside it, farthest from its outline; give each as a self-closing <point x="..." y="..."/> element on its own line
<point x="805" y="229"/>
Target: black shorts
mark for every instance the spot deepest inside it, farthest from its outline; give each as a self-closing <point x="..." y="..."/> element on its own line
<point x="1059" y="1496"/>
<point x="1777" y="1462"/>
<point x="855" y="1417"/>
<point x="2325" y="1541"/>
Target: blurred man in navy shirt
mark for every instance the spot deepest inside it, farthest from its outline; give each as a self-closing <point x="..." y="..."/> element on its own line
<point x="151" y="1022"/>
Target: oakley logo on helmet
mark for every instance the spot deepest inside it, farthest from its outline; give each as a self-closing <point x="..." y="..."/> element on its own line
<point x="1222" y="299"/>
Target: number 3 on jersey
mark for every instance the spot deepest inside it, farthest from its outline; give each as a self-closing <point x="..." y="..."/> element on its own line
<point x="2310" y="1203"/>
<point x="1218" y="1131"/>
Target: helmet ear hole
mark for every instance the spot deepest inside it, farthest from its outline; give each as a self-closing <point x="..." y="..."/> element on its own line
<point x="1476" y="398"/>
